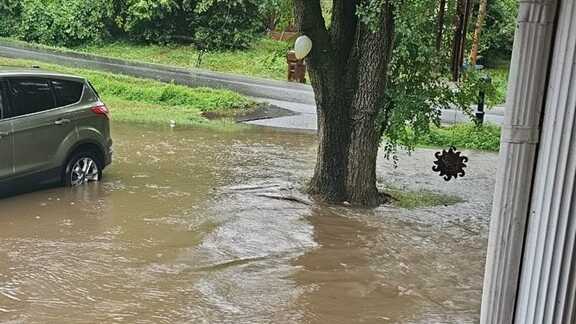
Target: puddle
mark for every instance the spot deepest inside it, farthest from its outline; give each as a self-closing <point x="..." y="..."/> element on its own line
<point x="188" y="227"/>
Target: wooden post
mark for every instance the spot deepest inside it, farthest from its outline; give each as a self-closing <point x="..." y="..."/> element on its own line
<point x="296" y="68"/>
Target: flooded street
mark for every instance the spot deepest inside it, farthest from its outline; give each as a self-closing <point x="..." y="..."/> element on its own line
<point x="189" y="227"/>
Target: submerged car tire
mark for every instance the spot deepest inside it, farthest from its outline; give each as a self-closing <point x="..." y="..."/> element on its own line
<point x="82" y="168"/>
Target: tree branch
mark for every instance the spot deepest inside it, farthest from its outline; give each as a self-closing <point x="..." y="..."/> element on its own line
<point x="343" y="28"/>
<point x="310" y="22"/>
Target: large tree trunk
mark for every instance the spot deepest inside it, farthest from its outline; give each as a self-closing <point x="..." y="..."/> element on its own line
<point x="329" y="180"/>
<point x="348" y="71"/>
<point x="374" y="52"/>
<point x="478" y="31"/>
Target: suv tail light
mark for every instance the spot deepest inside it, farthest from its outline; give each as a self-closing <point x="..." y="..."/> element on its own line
<point x="102" y="110"/>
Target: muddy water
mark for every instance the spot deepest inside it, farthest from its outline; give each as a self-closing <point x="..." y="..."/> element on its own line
<point x="188" y="228"/>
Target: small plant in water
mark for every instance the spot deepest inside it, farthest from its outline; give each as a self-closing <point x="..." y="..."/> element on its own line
<point x="420" y="198"/>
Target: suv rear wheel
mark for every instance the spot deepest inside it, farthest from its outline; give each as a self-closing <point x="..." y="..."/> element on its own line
<point x="82" y="168"/>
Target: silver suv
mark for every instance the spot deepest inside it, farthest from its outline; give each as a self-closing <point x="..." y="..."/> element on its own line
<point x="53" y="129"/>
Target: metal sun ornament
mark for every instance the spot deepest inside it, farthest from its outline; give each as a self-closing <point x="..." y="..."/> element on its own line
<point x="450" y="164"/>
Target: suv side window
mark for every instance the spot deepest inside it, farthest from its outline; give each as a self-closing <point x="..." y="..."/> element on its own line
<point x="67" y="92"/>
<point x="30" y="95"/>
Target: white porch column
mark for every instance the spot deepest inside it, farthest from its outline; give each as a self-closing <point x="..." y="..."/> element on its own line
<point x="525" y="101"/>
<point x="547" y="289"/>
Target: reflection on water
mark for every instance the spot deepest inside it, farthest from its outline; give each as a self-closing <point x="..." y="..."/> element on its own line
<point x="188" y="228"/>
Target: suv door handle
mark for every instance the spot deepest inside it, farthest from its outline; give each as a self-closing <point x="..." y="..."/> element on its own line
<point x="60" y="122"/>
<point x="4" y="134"/>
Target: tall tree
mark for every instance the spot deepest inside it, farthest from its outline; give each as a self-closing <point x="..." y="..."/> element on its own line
<point x="349" y="73"/>
<point x="460" y="31"/>
<point x="440" y="24"/>
<point x="476" y="38"/>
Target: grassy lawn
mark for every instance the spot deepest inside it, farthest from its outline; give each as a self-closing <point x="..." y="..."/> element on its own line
<point x="464" y="136"/>
<point x="265" y="59"/>
<point x="138" y="100"/>
<point x="420" y="199"/>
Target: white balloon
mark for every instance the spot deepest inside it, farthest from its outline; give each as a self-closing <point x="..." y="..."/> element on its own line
<point x="302" y="47"/>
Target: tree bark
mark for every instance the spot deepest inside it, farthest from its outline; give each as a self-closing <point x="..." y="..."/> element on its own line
<point x="440" y="26"/>
<point x="467" y="13"/>
<point x="348" y="71"/>
<point x="459" y="43"/>
<point x="329" y="180"/>
<point x="478" y="31"/>
<point x="374" y="52"/>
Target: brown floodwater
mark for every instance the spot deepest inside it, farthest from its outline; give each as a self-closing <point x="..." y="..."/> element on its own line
<point x="188" y="227"/>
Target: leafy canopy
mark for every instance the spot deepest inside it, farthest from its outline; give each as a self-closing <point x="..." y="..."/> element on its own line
<point x="418" y="85"/>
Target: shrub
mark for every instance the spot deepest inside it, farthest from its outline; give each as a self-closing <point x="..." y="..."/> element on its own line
<point x="62" y="22"/>
<point x="208" y="24"/>
<point x="156" y="21"/>
<point x="226" y="24"/>
<point x="277" y="14"/>
<point x="498" y="36"/>
<point x="10" y="13"/>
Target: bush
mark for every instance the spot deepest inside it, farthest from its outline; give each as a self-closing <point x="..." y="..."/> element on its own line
<point x="62" y="22"/>
<point x="277" y="14"/>
<point x="208" y="24"/>
<point x="10" y="13"/>
<point x="498" y="35"/>
<point x="156" y="21"/>
<point x="226" y="24"/>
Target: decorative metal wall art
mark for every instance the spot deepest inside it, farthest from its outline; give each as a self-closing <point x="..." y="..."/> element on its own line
<point x="450" y="164"/>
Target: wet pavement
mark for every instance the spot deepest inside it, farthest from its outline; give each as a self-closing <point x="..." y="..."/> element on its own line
<point x="190" y="226"/>
<point x="304" y="117"/>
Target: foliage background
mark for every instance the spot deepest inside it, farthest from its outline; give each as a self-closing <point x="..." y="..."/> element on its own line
<point x="208" y="24"/>
<point x="212" y="24"/>
<point x="231" y="31"/>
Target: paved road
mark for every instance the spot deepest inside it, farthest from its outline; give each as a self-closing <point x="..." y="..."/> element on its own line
<point x="305" y="116"/>
<point x="254" y="87"/>
<point x="298" y="98"/>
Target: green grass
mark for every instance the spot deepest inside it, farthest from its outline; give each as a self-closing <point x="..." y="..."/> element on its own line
<point x="499" y="77"/>
<point x="139" y="100"/>
<point x="420" y="198"/>
<point x="266" y="57"/>
<point x="464" y="136"/>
